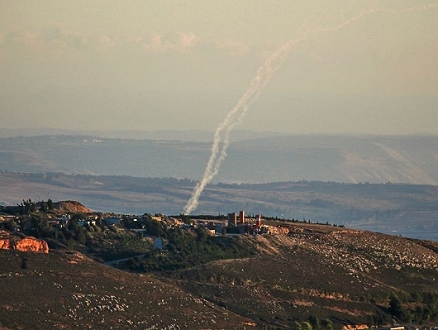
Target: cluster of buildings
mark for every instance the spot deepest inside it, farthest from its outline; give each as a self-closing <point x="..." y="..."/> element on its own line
<point x="235" y="219"/>
<point x="236" y="223"/>
<point x="242" y="224"/>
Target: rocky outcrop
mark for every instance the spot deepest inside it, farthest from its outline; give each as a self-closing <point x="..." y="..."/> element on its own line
<point x="71" y="206"/>
<point x="355" y="327"/>
<point x="31" y="244"/>
<point x="279" y="230"/>
<point x="5" y="244"/>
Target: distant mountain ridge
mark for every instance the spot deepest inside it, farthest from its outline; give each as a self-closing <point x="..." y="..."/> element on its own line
<point x="348" y="159"/>
<point x="178" y="135"/>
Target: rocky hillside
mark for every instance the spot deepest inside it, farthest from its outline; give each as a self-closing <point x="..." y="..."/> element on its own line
<point x="15" y="242"/>
<point x="342" y="276"/>
<point x="71" y="207"/>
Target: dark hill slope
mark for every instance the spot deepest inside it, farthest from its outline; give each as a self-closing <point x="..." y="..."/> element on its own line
<point x="67" y="290"/>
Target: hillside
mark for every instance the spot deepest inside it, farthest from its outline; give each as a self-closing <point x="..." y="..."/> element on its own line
<point x="343" y="276"/>
<point x="310" y="273"/>
<point x="67" y="290"/>
<point x="348" y="159"/>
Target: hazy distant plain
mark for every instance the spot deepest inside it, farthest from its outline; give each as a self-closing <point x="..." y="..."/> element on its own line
<point x="252" y="158"/>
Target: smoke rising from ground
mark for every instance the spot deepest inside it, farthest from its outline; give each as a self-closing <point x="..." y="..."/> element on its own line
<point x="221" y="138"/>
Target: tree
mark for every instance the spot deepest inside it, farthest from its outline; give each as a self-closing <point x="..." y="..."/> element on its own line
<point x="43" y="206"/>
<point x="185" y="219"/>
<point x="71" y="244"/>
<point x="314" y="321"/>
<point x="201" y="234"/>
<point x="27" y="206"/>
<point x="306" y="326"/>
<point x="296" y="326"/>
<point x="378" y="318"/>
<point x="78" y="216"/>
<point x="154" y="228"/>
<point x="39" y="225"/>
<point x="24" y="263"/>
<point x="327" y="324"/>
<point x="73" y="224"/>
<point x="10" y="225"/>
<point x="395" y="307"/>
<point x="426" y="314"/>
<point x="50" y="204"/>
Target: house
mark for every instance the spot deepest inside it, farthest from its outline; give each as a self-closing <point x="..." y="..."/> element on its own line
<point x="112" y="221"/>
<point x="157" y="217"/>
<point x="158" y="243"/>
<point x="141" y="232"/>
<point x="88" y="222"/>
<point x="355" y="327"/>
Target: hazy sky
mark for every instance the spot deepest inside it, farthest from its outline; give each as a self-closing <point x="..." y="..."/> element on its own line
<point x="183" y="64"/>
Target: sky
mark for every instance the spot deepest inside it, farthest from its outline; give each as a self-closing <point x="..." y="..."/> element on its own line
<point x="355" y="67"/>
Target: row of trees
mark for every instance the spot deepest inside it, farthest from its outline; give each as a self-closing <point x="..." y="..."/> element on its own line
<point x="422" y="307"/>
<point x="28" y="206"/>
<point x="38" y="225"/>
<point x="418" y="315"/>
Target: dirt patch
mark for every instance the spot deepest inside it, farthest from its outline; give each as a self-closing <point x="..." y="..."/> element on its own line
<point x="71" y="207"/>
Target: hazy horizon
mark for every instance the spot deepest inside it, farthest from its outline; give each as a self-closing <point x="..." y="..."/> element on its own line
<point x="193" y="135"/>
<point x="182" y="65"/>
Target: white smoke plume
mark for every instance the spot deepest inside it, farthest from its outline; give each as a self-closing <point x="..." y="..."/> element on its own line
<point x="221" y="138"/>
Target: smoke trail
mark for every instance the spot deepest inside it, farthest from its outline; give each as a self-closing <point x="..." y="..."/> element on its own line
<point x="262" y="77"/>
<point x="234" y="117"/>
